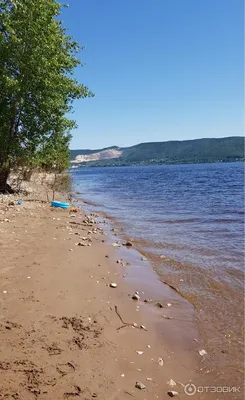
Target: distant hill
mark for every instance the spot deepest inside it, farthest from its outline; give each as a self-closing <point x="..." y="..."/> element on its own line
<point x="171" y="152"/>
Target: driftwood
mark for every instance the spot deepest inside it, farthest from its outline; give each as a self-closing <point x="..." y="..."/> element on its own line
<point x="124" y="323"/>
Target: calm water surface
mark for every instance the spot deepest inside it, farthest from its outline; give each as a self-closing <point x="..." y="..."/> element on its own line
<point x="194" y="216"/>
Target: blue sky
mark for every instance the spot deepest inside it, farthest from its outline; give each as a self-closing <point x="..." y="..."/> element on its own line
<point x="160" y="69"/>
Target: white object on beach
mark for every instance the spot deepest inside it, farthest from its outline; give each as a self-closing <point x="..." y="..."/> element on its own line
<point x="202" y="352"/>
<point x="5" y="291"/>
<point x="171" y="382"/>
<point x="139" y="352"/>
<point x="140" y="385"/>
<point x="113" y="285"/>
<point x="160" y="361"/>
<point x="169" y="304"/>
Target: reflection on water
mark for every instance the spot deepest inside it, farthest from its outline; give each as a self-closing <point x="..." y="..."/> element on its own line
<point x="193" y="215"/>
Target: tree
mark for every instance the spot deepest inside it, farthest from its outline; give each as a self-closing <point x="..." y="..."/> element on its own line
<point x="37" y="87"/>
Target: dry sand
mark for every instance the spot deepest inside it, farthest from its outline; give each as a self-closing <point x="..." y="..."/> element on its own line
<point x="61" y="335"/>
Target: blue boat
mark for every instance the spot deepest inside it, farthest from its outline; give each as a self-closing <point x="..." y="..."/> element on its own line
<point x="60" y="204"/>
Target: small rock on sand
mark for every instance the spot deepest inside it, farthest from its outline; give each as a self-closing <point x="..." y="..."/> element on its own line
<point x="135" y="296"/>
<point x="160" y="361"/>
<point x="171" y="383"/>
<point x="172" y="393"/>
<point x="202" y="352"/>
<point x="127" y="244"/>
<point x="140" y="385"/>
<point x="113" y="285"/>
<point x="159" y="305"/>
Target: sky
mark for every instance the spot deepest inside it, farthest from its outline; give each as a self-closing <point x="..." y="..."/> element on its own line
<point x="160" y="70"/>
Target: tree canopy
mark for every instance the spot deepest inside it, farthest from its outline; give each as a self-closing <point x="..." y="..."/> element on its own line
<point x="37" y="84"/>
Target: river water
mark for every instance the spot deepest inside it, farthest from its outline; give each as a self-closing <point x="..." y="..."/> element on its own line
<point x="189" y="221"/>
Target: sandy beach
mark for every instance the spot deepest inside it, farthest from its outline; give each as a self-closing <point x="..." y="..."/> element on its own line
<point x="65" y="333"/>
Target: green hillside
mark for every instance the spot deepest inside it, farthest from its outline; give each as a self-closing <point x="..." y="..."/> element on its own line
<point x="175" y="152"/>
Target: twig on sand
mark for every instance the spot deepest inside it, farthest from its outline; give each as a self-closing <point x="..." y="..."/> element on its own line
<point x="124" y="323"/>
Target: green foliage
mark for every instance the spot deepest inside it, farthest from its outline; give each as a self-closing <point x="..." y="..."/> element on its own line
<point x="175" y="152"/>
<point x="37" y="87"/>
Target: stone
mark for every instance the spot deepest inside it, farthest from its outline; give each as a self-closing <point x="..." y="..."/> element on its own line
<point x="159" y="305"/>
<point x="143" y="259"/>
<point x="140" y="385"/>
<point x="139" y="352"/>
<point x="135" y="296"/>
<point x="143" y="327"/>
<point x="202" y="352"/>
<point x="113" y="285"/>
<point x="127" y="244"/>
<point x="172" y="393"/>
<point x="160" y="361"/>
<point x="171" y="382"/>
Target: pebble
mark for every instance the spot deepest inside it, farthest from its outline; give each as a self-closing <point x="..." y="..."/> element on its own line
<point x="172" y="393"/>
<point x="149" y="379"/>
<point x="5" y="291"/>
<point x="159" y="305"/>
<point x="139" y="352"/>
<point x="160" y="361"/>
<point x="148" y="346"/>
<point x="113" y="285"/>
<point x="70" y="249"/>
<point x="143" y="327"/>
<point x="202" y="352"/>
<point x="169" y="304"/>
<point x="143" y="259"/>
<point x="171" y="382"/>
<point x="127" y="244"/>
<point x="28" y="277"/>
<point x="135" y="296"/>
<point x="140" y="385"/>
<point x="122" y="376"/>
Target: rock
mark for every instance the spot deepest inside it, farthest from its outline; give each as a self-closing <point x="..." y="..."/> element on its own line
<point x="171" y="383"/>
<point x="147" y="300"/>
<point x="202" y="352"/>
<point x="149" y="379"/>
<point x="162" y="256"/>
<point x="172" y="393"/>
<point x="113" y="285"/>
<point x="143" y="259"/>
<point x="159" y="305"/>
<point x="143" y="327"/>
<point x="106" y="256"/>
<point x="116" y="244"/>
<point x="127" y="244"/>
<point x="118" y="261"/>
<point x="81" y="244"/>
<point x="169" y="304"/>
<point x="135" y="325"/>
<point x="140" y="385"/>
<point x="135" y="296"/>
<point x="160" y="361"/>
<point x="139" y="352"/>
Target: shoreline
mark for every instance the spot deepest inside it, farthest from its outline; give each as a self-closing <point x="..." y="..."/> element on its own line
<point x="58" y="321"/>
<point x="218" y="361"/>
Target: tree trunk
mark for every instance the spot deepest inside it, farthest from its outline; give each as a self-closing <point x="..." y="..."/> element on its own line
<point x="4" y="187"/>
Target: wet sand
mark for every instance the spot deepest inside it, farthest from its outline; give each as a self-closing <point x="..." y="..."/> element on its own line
<point x="65" y="333"/>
